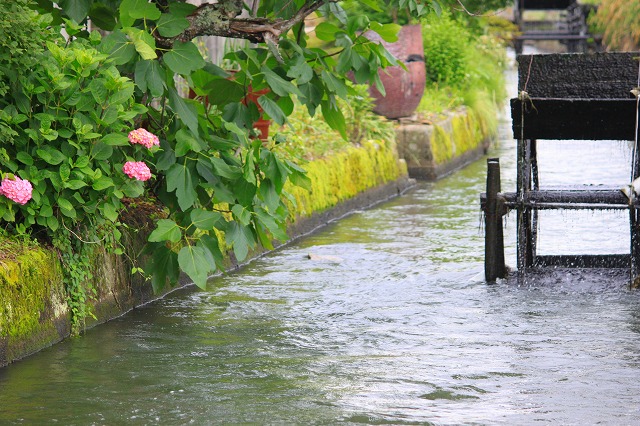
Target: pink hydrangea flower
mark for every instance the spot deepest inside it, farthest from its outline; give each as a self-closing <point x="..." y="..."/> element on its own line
<point x="137" y="170"/>
<point x="18" y="190"/>
<point x="143" y="137"/>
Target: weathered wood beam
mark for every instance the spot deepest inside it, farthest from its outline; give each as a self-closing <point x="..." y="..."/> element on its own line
<point x="579" y="119"/>
<point x="582" y="76"/>
<point x="584" y="261"/>
<point x="609" y="198"/>
<point x="546" y="4"/>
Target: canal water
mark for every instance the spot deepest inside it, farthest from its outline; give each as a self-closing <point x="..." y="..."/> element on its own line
<point x="393" y="326"/>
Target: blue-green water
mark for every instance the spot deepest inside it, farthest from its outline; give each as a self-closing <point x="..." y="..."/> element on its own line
<point x="399" y="330"/>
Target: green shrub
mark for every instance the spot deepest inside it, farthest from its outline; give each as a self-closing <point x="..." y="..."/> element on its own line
<point x="445" y="49"/>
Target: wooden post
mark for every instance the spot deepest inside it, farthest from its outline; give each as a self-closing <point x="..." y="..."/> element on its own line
<point x="494" y="242"/>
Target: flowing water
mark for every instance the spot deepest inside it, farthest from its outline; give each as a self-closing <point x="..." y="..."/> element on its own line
<point x="396" y="326"/>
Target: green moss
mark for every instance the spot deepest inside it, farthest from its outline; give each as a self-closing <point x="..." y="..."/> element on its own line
<point x="463" y="132"/>
<point x="344" y="175"/>
<point x="32" y="301"/>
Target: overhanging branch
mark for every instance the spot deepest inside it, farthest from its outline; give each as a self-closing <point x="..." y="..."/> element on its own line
<point x="222" y="19"/>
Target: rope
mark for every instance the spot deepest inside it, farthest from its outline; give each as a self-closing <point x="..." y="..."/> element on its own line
<point x="632" y="197"/>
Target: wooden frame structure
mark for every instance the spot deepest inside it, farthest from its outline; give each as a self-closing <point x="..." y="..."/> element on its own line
<point x="565" y="97"/>
<point x="571" y="30"/>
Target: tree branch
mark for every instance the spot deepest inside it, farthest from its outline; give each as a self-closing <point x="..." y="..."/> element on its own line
<point x="222" y="19"/>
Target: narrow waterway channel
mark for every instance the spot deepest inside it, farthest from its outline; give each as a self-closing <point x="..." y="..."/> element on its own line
<point x="397" y="328"/>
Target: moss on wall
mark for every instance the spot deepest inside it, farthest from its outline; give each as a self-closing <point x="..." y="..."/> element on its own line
<point x="33" y="310"/>
<point x="462" y="133"/>
<point x="344" y="175"/>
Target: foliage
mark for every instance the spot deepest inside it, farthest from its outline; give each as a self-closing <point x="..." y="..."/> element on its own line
<point x="619" y="21"/>
<point x="307" y="138"/>
<point x="469" y="73"/>
<point x="21" y="40"/>
<point x="445" y="49"/>
<point x="213" y="179"/>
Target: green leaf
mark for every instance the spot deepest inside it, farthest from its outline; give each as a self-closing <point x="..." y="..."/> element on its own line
<point x="110" y="212"/>
<point x="326" y="31"/>
<point x="193" y="262"/>
<point x="51" y="155"/>
<point x="279" y="85"/>
<point x="186" y="143"/>
<point x="24" y="158"/>
<point x="334" y="118"/>
<point x="76" y="9"/>
<point x="52" y="223"/>
<point x="119" y="48"/>
<point x="272" y="109"/>
<point x="242" y="214"/>
<point x="203" y="219"/>
<point x="101" y="151"/>
<point x="170" y="25"/>
<point x="164" y="266"/>
<point x="102" y="17"/>
<point x="179" y="179"/>
<point x="66" y="208"/>
<point x="241" y="239"/>
<point x="300" y="70"/>
<point x="166" y="230"/>
<point x="388" y="32"/>
<point x="267" y="191"/>
<point x="334" y="84"/>
<point x="115" y="139"/>
<point x="184" y="58"/>
<point x="130" y="10"/>
<point x="212" y="251"/>
<point x="102" y="183"/>
<point x="221" y="91"/>
<point x="225" y="170"/>
<point x="268" y="221"/>
<point x="143" y="42"/>
<point x="75" y="184"/>
<point x="148" y="76"/>
<point x="186" y="112"/>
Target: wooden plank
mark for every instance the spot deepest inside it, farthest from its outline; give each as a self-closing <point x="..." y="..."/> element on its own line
<point x="546" y="4"/>
<point x="587" y="198"/>
<point x="552" y="36"/>
<point x="578" y="76"/>
<point x="578" y="119"/>
<point x="584" y="261"/>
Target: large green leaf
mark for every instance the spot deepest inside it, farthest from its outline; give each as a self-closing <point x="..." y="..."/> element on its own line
<point x="76" y="9"/>
<point x="334" y="118"/>
<point x="279" y="85"/>
<point x="184" y="58"/>
<point x="166" y="230"/>
<point x="165" y="266"/>
<point x="171" y="25"/>
<point x="326" y="31"/>
<point x="221" y="91"/>
<point x="186" y="143"/>
<point x="241" y="239"/>
<point x="212" y="250"/>
<point x="149" y="76"/>
<point x="102" y="16"/>
<point x="204" y="219"/>
<point x="130" y="10"/>
<point x="272" y="109"/>
<point x="193" y="261"/>
<point x="185" y="111"/>
<point x="267" y="191"/>
<point x="179" y="179"/>
<point x="388" y="32"/>
<point x="143" y="42"/>
<point x="51" y="155"/>
<point x="118" y="46"/>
